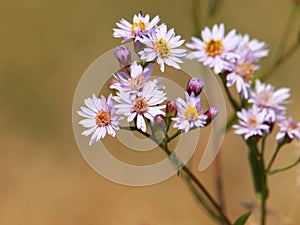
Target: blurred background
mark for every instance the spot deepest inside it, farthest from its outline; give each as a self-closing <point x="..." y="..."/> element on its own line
<point x="45" y="48"/>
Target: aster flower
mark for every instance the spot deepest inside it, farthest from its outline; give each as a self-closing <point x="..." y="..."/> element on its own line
<point x="251" y="122"/>
<point x="100" y="118"/>
<point x="135" y="81"/>
<point x="143" y="104"/>
<point x="215" y="50"/>
<point x="162" y="46"/>
<point x="241" y="74"/>
<point x="242" y="70"/>
<point x="288" y="129"/>
<point x="265" y="97"/>
<point x="189" y="113"/>
<point x="140" y="27"/>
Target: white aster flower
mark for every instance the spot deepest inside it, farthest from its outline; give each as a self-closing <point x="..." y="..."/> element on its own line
<point x="143" y="104"/>
<point x="189" y="113"/>
<point x="100" y="118"/>
<point x="251" y="123"/>
<point x="288" y="129"/>
<point x="215" y="50"/>
<point x="135" y="81"/>
<point x="140" y="27"/>
<point x="162" y="46"/>
<point x="265" y="97"/>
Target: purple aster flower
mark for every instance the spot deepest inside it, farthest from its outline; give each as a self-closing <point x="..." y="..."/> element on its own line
<point x="215" y="50"/>
<point x="140" y="27"/>
<point x="162" y="46"/>
<point x="100" y="118"/>
<point x="189" y="113"/>
<point x="289" y="129"/>
<point x="251" y="123"/>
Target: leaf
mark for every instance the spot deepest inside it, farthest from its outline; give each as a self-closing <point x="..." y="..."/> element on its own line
<point x="214" y="6"/>
<point x="242" y="219"/>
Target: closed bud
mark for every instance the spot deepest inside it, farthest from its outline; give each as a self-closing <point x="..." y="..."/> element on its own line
<point x="159" y="127"/>
<point x="195" y="85"/>
<point x="171" y="110"/>
<point x="123" y="55"/>
<point x="211" y="114"/>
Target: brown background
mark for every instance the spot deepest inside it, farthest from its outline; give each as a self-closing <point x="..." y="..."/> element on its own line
<point x="45" y="48"/>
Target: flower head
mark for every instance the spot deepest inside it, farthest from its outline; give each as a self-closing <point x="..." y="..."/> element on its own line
<point x="251" y="122"/>
<point x="135" y="81"/>
<point x="242" y="70"/>
<point x="162" y="46"/>
<point x="100" y="118"/>
<point x="215" y="50"/>
<point x="289" y="129"/>
<point x="267" y="99"/>
<point x="143" y="104"/>
<point x="140" y="27"/>
<point x="189" y="113"/>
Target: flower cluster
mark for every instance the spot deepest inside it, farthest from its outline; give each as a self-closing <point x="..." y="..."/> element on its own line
<point x="152" y="42"/>
<point x="138" y="97"/>
<point x="266" y="109"/>
<point x="234" y="56"/>
<point x="231" y="55"/>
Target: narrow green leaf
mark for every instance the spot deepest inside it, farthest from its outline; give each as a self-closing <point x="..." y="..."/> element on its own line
<point x="213" y="7"/>
<point x="242" y="219"/>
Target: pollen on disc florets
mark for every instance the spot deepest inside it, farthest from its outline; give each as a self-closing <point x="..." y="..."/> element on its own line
<point x="103" y="118"/>
<point x="162" y="47"/>
<point x="213" y="47"/>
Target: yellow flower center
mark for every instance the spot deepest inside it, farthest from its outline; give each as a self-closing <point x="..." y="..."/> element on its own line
<point x="140" y="24"/>
<point x="162" y="47"/>
<point x="103" y="118"/>
<point x="191" y="113"/>
<point x="245" y="70"/>
<point x="137" y="83"/>
<point x="140" y="105"/>
<point x="213" y="47"/>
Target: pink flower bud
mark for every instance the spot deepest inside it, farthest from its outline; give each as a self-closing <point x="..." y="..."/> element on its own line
<point x="211" y="114"/>
<point x="195" y="85"/>
<point x="171" y="110"/>
<point x="123" y="55"/>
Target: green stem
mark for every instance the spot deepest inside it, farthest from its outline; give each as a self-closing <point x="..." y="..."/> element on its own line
<point x="256" y="160"/>
<point x="189" y="174"/>
<point x="272" y="172"/>
<point x="273" y="157"/>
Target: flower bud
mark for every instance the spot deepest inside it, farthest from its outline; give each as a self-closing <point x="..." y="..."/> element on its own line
<point x="195" y="85"/>
<point x="211" y="114"/>
<point x="123" y="55"/>
<point x="159" y="127"/>
<point x="171" y="110"/>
